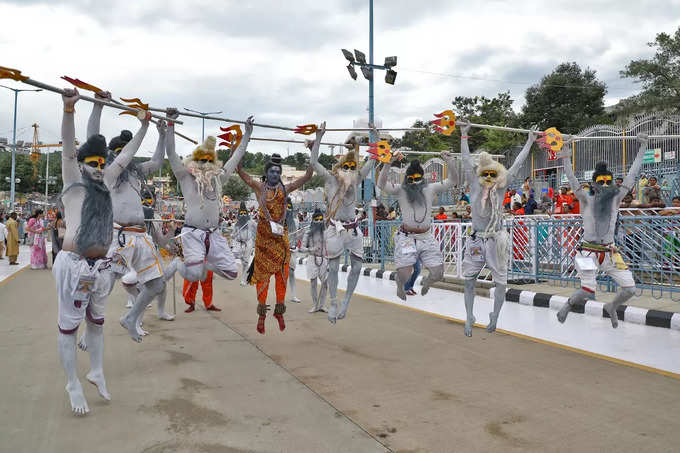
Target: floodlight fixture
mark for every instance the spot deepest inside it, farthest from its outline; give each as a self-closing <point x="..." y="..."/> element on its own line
<point x="352" y="72"/>
<point x="367" y="72"/>
<point x="390" y="62"/>
<point x="348" y="55"/>
<point x="390" y="76"/>
<point x="361" y="57"/>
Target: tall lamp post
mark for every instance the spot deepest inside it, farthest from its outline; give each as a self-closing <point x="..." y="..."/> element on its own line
<point x="203" y="114"/>
<point x="12" y="186"/>
<point x="367" y="70"/>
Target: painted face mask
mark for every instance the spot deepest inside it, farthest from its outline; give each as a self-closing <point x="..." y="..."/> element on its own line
<point x="415" y="178"/>
<point x="604" y="180"/>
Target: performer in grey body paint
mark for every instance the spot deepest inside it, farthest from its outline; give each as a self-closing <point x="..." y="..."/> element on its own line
<point x="414" y="241"/>
<point x="135" y="257"/>
<point x="81" y="269"/>
<point x="242" y="239"/>
<point x="201" y="178"/>
<point x="293" y="236"/>
<point x="597" y="252"/>
<point x="343" y="232"/>
<point x="489" y="242"/>
<point x="314" y="245"/>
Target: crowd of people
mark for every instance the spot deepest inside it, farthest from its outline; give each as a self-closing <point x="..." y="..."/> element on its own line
<point x="34" y="231"/>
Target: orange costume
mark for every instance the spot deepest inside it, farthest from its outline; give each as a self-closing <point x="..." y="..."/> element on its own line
<point x="272" y="252"/>
<point x="191" y="288"/>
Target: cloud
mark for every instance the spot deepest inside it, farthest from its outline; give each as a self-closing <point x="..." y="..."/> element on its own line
<point x="281" y="61"/>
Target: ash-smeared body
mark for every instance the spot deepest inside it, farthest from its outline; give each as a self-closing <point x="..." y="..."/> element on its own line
<point x="600" y="205"/>
<point x="123" y="178"/>
<point x="414" y="241"/>
<point x="598" y="253"/>
<point x="489" y="243"/>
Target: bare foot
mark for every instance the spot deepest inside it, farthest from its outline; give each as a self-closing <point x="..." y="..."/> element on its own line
<point x="98" y="381"/>
<point x="564" y="311"/>
<point x="78" y="402"/>
<point x="491" y="327"/>
<point x="131" y="328"/>
<point x="260" y="324"/>
<point x="82" y="344"/>
<point x="468" y="326"/>
<point x="282" y="323"/>
<point x="612" y="315"/>
<point x="166" y="317"/>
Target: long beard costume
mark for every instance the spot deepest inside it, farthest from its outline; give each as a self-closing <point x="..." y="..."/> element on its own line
<point x="96" y="216"/>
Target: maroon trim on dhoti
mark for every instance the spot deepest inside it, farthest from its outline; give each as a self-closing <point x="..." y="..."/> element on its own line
<point x="194" y="264"/>
<point x="68" y="331"/>
<point x="99" y="321"/>
<point x="588" y="290"/>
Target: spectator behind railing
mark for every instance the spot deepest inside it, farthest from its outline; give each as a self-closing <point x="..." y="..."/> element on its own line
<point x="442" y="214"/>
<point x="530" y="205"/>
<point x="517" y="209"/>
<point x="651" y="190"/>
<point x="673" y="209"/>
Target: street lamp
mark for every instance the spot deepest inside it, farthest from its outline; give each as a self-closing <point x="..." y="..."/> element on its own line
<point x="12" y="187"/>
<point x="202" y="114"/>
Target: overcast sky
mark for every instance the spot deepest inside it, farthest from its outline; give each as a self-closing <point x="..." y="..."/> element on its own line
<point x="281" y="60"/>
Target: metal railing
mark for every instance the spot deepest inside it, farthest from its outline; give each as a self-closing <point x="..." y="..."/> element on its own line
<point x="543" y="248"/>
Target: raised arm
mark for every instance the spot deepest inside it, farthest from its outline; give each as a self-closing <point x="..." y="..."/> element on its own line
<point x="176" y="164"/>
<point x="316" y="165"/>
<point x="452" y="174"/>
<point x="296" y="184"/>
<point x="573" y="182"/>
<point x="240" y="151"/>
<point x="120" y="163"/>
<point x="629" y="180"/>
<point x="96" y="115"/>
<point x="382" y="182"/>
<point x="255" y="185"/>
<point x="522" y="156"/>
<point x="156" y="160"/>
<point x="366" y="169"/>
<point x="70" y="172"/>
<point x="468" y="167"/>
<point x="314" y="159"/>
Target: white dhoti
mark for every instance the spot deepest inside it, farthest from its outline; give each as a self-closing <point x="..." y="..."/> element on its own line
<point x="82" y="289"/>
<point x="317" y="267"/>
<point x="135" y="250"/>
<point x="590" y="262"/>
<point x="409" y="247"/>
<point x="490" y="251"/>
<point x="209" y="248"/>
<point x="339" y="239"/>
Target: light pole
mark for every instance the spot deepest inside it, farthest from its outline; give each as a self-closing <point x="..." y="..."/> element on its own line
<point x="367" y="70"/>
<point x="12" y="187"/>
<point x="203" y="114"/>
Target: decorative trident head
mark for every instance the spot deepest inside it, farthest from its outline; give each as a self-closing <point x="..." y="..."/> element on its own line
<point x="552" y="141"/>
<point x="232" y="136"/>
<point x="381" y="151"/>
<point x="306" y="129"/>
<point x="80" y="84"/>
<point x="14" y="74"/>
<point x="446" y="122"/>
<point x="135" y="103"/>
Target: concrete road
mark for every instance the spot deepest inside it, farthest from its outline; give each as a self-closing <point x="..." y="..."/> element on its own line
<point x="384" y="379"/>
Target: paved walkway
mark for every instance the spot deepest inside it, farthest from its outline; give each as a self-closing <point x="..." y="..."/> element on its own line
<point x="384" y="379"/>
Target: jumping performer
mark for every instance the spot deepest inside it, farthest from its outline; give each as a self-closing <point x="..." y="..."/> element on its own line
<point x="598" y="253"/>
<point x="343" y="233"/>
<point x="81" y="270"/>
<point x="414" y="241"/>
<point x="488" y="244"/>
<point x="272" y="250"/>
<point x="201" y="178"/>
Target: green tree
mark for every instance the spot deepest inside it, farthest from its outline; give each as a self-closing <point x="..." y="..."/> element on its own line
<point x="659" y="76"/>
<point x="327" y="161"/>
<point x="424" y="140"/>
<point x="236" y="189"/>
<point x="496" y="111"/>
<point x="569" y="99"/>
